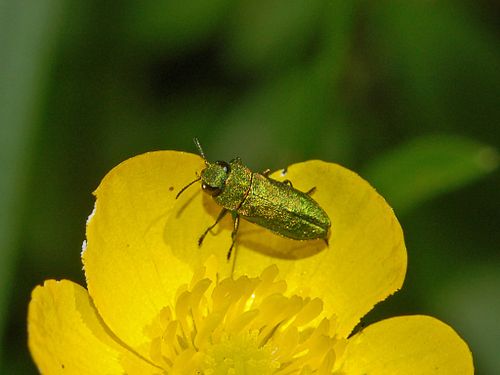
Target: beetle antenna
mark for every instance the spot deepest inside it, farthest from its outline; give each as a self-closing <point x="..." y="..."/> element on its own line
<point x="185" y="187"/>
<point x="198" y="145"/>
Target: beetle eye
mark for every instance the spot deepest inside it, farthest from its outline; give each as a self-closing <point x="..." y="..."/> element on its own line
<point x="211" y="190"/>
<point x="225" y="166"/>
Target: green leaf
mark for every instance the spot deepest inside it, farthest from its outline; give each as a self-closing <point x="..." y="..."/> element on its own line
<point x="428" y="166"/>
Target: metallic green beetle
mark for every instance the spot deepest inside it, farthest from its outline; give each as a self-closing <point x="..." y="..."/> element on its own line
<point x="256" y="197"/>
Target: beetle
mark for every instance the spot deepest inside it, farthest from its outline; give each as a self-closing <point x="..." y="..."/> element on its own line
<point x="256" y="197"/>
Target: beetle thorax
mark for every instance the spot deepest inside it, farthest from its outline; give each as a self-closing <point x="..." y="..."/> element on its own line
<point x="227" y="183"/>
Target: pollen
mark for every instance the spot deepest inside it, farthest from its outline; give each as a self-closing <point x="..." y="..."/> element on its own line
<point x="243" y="326"/>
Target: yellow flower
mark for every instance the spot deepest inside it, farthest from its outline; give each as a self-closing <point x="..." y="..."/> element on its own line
<point x="158" y="304"/>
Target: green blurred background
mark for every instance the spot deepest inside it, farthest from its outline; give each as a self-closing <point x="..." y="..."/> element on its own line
<point x="406" y="94"/>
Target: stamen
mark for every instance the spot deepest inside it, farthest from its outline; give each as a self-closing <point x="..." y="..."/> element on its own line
<point x="243" y="325"/>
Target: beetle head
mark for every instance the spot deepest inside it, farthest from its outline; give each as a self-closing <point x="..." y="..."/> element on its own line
<point x="214" y="176"/>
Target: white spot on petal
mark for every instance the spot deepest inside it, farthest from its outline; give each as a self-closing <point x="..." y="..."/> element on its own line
<point x="91" y="214"/>
<point x="84" y="247"/>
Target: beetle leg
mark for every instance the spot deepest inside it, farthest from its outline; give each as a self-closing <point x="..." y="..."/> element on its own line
<point x="236" y="224"/>
<point x="289" y="183"/>
<point x="311" y="190"/>
<point x="219" y="218"/>
<point x="266" y="172"/>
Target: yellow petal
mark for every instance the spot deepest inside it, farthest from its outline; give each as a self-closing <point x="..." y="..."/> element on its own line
<point x="366" y="258"/>
<point x="142" y="242"/>
<point x="132" y="269"/>
<point x="407" y="345"/>
<point x="66" y="335"/>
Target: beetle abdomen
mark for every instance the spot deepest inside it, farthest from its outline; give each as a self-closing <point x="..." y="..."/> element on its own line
<point x="284" y="210"/>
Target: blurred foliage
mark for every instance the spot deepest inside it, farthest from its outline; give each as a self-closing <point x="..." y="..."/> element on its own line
<point x="404" y="93"/>
<point x="26" y="33"/>
<point x="426" y="167"/>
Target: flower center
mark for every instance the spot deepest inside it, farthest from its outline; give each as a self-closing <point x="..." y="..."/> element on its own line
<point x="239" y="354"/>
<point x="243" y="326"/>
